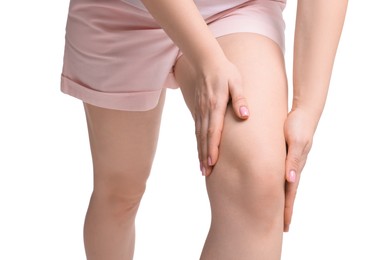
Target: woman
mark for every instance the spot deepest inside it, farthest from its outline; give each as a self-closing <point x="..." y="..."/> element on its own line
<point x="227" y="58"/>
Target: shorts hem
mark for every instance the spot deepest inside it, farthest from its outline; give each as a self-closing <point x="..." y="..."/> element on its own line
<point x="128" y="101"/>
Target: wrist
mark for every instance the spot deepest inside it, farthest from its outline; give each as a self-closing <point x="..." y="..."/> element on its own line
<point x="208" y="59"/>
<point x="312" y="114"/>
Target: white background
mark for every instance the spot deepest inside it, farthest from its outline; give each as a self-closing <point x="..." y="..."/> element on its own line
<point x="342" y="210"/>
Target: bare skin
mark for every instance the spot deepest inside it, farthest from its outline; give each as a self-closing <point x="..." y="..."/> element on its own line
<point x="246" y="162"/>
<point x="246" y="186"/>
<point x="318" y="28"/>
<point x="123" y="145"/>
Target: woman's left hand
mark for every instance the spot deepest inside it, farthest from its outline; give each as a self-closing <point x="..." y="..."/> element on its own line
<point x="299" y="129"/>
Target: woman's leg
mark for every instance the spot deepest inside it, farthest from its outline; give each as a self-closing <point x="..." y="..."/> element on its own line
<point x="123" y="145"/>
<point x="246" y="186"/>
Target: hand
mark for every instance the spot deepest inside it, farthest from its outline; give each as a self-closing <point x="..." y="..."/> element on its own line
<point x="217" y="82"/>
<point x="299" y="129"/>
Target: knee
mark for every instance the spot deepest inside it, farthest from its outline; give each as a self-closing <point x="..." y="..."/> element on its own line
<point x="121" y="192"/>
<point x="254" y="188"/>
<point x="262" y="185"/>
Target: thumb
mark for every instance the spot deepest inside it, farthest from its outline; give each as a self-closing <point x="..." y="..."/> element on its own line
<point x="239" y="102"/>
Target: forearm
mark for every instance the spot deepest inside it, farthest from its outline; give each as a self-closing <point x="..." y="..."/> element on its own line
<point x="184" y="24"/>
<point x="318" y="29"/>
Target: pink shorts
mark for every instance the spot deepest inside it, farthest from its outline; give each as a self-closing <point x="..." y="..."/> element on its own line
<point x="118" y="57"/>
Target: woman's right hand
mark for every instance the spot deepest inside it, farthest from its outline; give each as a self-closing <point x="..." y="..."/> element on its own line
<point x="217" y="78"/>
<point x="218" y="82"/>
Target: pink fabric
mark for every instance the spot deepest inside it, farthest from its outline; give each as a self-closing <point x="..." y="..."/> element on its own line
<point x="206" y="8"/>
<point x="118" y="57"/>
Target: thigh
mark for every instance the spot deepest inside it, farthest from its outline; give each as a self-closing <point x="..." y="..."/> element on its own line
<point x="123" y="145"/>
<point x="261" y="64"/>
<point x="258" y="141"/>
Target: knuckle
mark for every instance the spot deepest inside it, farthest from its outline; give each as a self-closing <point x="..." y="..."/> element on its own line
<point x="215" y="102"/>
<point x="295" y="160"/>
<point x="212" y="102"/>
<point x="238" y="99"/>
<point x="210" y="131"/>
<point x="213" y="131"/>
<point x="302" y="147"/>
<point x="197" y="132"/>
<point x="302" y="141"/>
<point x="202" y="110"/>
<point x="197" y="128"/>
<point x="203" y="138"/>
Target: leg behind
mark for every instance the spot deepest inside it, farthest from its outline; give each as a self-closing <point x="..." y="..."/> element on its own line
<point x="246" y="187"/>
<point x="123" y="145"/>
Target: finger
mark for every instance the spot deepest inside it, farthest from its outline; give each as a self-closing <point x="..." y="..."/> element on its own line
<point x="294" y="164"/>
<point x="214" y="133"/>
<point x="239" y="102"/>
<point x="203" y="144"/>
<point x="198" y="131"/>
<point x="290" y="193"/>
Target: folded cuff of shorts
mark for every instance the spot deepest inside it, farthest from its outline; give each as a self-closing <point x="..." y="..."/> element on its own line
<point x="134" y="101"/>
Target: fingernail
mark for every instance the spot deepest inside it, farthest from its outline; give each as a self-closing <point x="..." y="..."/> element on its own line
<point x="203" y="171"/>
<point x="209" y="161"/>
<point x="292" y="176"/>
<point x="200" y="166"/>
<point x="244" y="111"/>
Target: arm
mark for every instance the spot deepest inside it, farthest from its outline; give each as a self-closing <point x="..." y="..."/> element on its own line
<point x="318" y="28"/>
<point x="218" y="78"/>
<point x="183" y="23"/>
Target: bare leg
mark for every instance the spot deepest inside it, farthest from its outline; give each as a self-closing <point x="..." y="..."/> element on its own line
<point x="246" y="187"/>
<point x="123" y="145"/>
